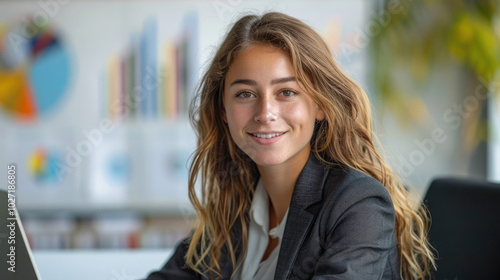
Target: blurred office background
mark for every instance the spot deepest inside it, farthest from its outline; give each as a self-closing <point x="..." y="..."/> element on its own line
<point x="94" y="96"/>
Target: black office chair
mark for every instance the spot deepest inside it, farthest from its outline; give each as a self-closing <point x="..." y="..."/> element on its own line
<point x="465" y="228"/>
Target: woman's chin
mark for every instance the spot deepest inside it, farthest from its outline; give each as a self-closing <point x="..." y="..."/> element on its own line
<point x="267" y="161"/>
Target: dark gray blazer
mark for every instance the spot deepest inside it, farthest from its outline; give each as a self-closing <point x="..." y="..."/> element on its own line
<point x="340" y="225"/>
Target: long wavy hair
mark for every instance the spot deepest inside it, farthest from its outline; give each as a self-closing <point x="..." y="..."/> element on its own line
<point x="345" y="136"/>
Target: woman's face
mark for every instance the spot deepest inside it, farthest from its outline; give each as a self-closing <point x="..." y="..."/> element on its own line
<point x="269" y="115"/>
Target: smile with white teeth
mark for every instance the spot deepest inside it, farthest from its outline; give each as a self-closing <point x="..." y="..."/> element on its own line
<point x="265" y="136"/>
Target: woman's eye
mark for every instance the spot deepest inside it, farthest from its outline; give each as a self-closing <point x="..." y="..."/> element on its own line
<point x="288" y="93"/>
<point x="244" y="94"/>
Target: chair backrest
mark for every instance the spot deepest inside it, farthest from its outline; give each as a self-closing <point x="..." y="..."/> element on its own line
<point x="465" y="228"/>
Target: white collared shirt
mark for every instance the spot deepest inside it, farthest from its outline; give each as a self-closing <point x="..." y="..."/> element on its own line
<point x="258" y="239"/>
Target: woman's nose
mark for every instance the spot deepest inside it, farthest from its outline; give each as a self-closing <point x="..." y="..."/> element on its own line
<point x="267" y="110"/>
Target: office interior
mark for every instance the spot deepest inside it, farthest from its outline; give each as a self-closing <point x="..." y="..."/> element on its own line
<point x="94" y="103"/>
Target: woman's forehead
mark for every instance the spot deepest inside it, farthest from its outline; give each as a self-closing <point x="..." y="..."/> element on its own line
<point x="261" y="63"/>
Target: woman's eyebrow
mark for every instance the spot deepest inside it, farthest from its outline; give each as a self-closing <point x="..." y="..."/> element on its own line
<point x="254" y="83"/>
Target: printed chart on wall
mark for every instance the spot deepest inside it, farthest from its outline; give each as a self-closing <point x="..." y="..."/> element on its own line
<point x="35" y="70"/>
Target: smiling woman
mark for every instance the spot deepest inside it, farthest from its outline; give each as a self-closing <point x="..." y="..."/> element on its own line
<point x="270" y="117"/>
<point x="292" y="186"/>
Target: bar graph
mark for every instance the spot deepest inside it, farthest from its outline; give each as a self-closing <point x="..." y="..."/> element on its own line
<point x="153" y="77"/>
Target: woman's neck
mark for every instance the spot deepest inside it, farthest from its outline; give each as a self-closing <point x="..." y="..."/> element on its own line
<point x="279" y="181"/>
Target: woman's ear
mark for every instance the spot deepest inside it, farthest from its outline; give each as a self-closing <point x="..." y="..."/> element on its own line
<point x="223" y="115"/>
<point x="320" y="115"/>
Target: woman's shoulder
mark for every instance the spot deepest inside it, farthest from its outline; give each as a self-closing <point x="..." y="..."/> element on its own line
<point x="346" y="186"/>
<point x="351" y="196"/>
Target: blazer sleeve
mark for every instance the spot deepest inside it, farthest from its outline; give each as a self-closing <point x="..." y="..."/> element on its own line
<point x="176" y="267"/>
<point x="360" y="238"/>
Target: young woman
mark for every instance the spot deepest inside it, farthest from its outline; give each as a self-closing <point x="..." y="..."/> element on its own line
<point x="292" y="186"/>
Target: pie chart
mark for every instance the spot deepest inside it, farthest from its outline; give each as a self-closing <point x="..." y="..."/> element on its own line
<point x="43" y="165"/>
<point x="34" y="70"/>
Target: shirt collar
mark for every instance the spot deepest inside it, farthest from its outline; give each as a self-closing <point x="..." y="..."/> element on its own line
<point x="259" y="211"/>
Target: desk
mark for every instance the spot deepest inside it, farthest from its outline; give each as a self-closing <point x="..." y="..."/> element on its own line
<point x="99" y="264"/>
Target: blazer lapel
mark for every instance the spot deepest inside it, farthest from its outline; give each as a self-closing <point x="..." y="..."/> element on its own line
<point x="308" y="191"/>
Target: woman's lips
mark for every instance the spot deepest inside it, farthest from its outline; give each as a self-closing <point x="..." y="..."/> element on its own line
<point x="266" y="138"/>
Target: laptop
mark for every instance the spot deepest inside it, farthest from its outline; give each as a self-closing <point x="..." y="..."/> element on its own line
<point x="16" y="258"/>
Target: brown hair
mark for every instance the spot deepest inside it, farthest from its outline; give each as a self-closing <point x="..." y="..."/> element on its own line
<point x="344" y="136"/>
